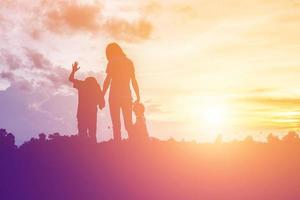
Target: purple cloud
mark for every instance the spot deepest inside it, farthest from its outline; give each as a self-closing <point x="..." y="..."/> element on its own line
<point x="10" y="60"/>
<point x="37" y="60"/>
<point x="8" y="76"/>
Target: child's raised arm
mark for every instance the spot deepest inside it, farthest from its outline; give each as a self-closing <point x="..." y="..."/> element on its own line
<point x="75" y="68"/>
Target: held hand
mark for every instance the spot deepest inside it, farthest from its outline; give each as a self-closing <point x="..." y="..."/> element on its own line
<point x="75" y="66"/>
<point x="101" y="104"/>
<point x="137" y="99"/>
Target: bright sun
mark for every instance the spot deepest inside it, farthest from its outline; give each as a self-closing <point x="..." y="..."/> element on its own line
<point x="214" y="118"/>
<point x="213" y="115"/>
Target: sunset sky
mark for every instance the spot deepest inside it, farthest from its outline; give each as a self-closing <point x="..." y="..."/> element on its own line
<point x="205" y="67"/>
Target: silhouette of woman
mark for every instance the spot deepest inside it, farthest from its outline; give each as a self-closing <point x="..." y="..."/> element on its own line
<point x="119" y="74"/>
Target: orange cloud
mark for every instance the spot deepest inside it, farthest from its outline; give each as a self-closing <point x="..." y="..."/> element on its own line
<point x="74" y="17"/>
<point x="121" y="29"/>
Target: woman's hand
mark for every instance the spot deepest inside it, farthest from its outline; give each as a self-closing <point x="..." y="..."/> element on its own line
<point x="137" y="99"/>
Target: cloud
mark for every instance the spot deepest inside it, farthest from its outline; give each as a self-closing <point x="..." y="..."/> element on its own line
<point x="75" y="17"/>
<point x="32" y="66"/>
<point x="279" y="102"/>
<point x="123" y="30"/>
<point x="60" y="77"/>
<point x="70" y="18"/>
<point x="37" y="60"/>
<point x="9" y="59"/>
<point x="22" y="112"/>
<point x="8" y="76"/>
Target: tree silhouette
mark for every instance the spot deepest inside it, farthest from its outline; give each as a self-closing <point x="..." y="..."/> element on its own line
<point x="7" y="140"/>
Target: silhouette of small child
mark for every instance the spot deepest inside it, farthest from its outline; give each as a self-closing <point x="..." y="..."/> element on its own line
<point x="89" y="97"/>
<point x="139" y="128"/>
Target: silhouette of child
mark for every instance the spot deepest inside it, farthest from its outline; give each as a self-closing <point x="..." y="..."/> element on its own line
<point x="89" y="97"/>
<point x="139" y="128"/>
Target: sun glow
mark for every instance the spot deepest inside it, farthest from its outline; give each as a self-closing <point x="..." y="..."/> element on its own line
<point x="214" y="120"/>
<point x="214" y="115"/>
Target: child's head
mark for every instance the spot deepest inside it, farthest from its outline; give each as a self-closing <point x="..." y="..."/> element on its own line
<point x="138" y="109"/>
<point x="91" y="82"/>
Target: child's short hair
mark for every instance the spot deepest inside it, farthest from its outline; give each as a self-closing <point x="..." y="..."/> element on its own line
<point x="140" y="132"/>
<point x="91" y="81"/>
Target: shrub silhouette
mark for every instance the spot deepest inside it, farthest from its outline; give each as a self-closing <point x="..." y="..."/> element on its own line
<point x="291" y="137"/>
<point x="272" y="139"/>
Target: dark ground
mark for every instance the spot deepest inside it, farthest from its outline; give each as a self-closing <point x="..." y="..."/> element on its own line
<point x="62" y="167"/>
